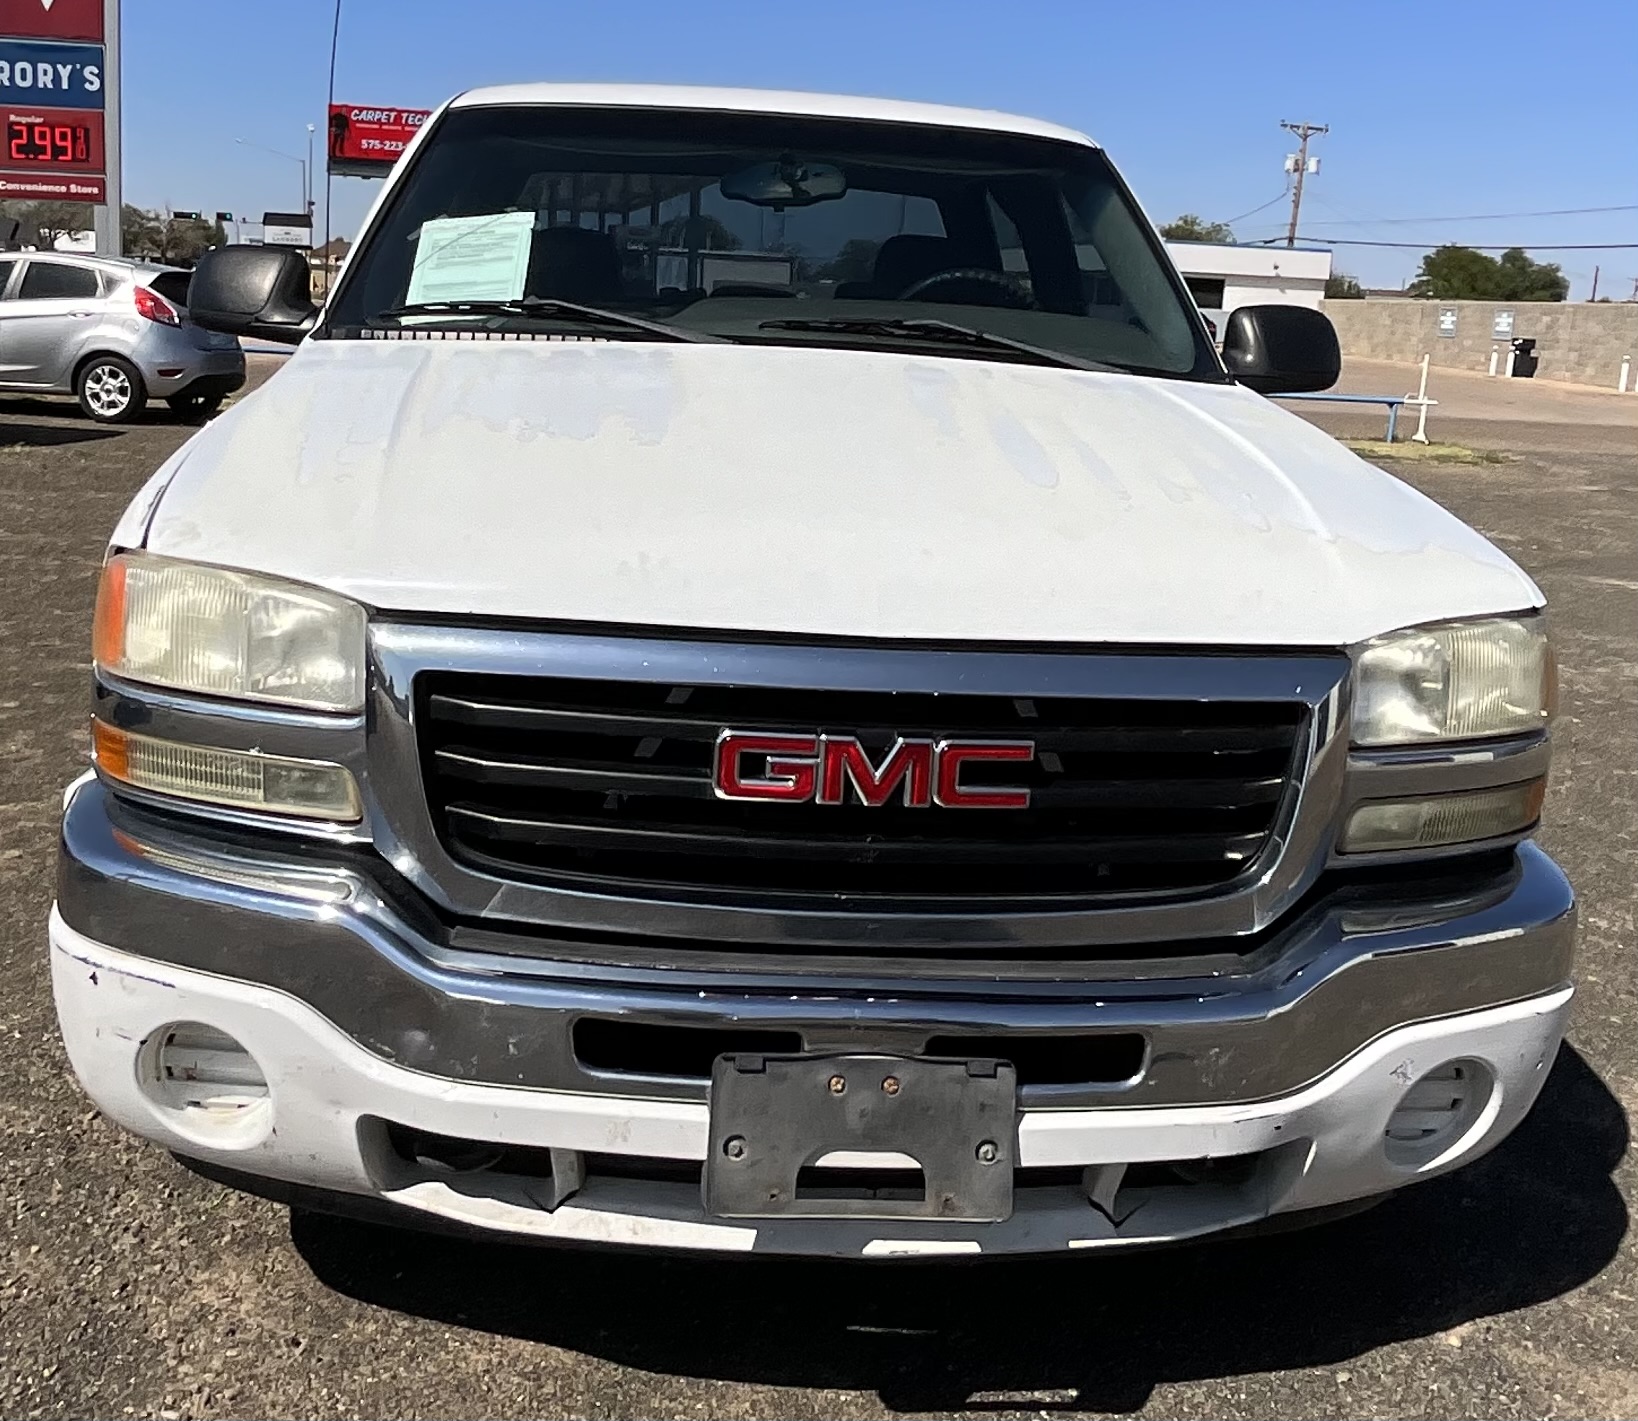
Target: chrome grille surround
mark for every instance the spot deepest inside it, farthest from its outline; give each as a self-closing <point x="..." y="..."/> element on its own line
<point x="1297" y="849"/>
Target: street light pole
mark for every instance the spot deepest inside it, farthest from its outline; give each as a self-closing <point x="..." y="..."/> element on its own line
<point x="306" y="190"/>
<point x="307" y="174"/>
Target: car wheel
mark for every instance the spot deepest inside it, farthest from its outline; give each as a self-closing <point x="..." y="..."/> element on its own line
<point x="111" y="390"/>
<point x="194" y="406"/>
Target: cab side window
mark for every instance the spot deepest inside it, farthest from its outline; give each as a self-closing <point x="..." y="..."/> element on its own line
<point x="43" y="281"/>
<point x="6" y="269"/>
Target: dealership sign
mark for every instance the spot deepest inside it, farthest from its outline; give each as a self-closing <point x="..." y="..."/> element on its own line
<point x="287" y="229"/>
<point x="53" y="96"/>
<point x="365" y="142"/>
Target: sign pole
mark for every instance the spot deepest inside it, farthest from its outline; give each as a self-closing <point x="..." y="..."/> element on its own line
<point x="60" y="109"/>
<point x="106" y="218"/>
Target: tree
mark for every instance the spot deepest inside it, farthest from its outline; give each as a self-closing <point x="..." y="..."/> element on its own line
<point x="1526" y="280"/>
<point x="1453" y="273"/>
<point x="58" y="219"/>
<point x="1339" y="286"/>
<point x="854" y="261"/>
<point x="711" y="234"/>
<point x="184" y="240"/>
<point x="140" y="232"/>
<point x="1191" y="227"/>
<point x="42" y="223"/>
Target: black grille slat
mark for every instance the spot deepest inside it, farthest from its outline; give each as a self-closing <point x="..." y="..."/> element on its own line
<point x="1201" y="792"/>
<point x="634" y="837"/>
<point x="489" y="769"/>
<point x="549" y="719"/>
<point x="606" y="783"/>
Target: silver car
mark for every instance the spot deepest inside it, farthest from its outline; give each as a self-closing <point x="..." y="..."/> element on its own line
<point x="112" y="333"/>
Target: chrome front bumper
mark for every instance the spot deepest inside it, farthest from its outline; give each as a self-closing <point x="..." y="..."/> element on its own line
<point x="358" y="1018"/>
<point x="334" y="928"/>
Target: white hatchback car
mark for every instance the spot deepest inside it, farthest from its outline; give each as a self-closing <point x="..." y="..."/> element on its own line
<point x="112" y="333"/>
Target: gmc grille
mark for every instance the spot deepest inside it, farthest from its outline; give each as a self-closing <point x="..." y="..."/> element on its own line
<point x="607" y="785"/>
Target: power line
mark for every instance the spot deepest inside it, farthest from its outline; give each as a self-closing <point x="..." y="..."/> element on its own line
<point x="1278" y="197"/>
<point x="1499" y="247"/>
<point x="1471" y="217"/>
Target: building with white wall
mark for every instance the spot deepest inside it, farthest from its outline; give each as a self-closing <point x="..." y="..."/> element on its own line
<point x="1222" y="277"/>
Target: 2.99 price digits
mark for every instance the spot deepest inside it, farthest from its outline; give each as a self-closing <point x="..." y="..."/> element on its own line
<point x="47" y="142"/>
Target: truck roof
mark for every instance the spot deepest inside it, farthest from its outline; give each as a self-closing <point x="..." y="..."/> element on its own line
<point x="780" y="101"/>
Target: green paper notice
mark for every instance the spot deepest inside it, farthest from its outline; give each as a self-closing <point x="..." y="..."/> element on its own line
<point x="472" y="258"/>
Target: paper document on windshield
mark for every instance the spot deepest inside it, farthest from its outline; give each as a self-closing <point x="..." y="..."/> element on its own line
<point x="472" y="258"/>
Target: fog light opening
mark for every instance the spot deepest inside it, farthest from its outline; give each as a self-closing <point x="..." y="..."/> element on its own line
<point x="1437" y="1114"/>
<point x="205" y="1085"/>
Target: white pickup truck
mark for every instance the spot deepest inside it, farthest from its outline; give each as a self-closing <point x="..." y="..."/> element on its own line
<point x="757" y="683"/>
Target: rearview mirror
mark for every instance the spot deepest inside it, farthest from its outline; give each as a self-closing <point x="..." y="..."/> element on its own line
<point x="1281" y="350"/>
<point x="265" y="292"/>
<point x="789" y="182"/>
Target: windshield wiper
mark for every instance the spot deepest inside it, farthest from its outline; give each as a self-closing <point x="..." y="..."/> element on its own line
<point x="934" y="330"/>
<point x="550" y="308"/>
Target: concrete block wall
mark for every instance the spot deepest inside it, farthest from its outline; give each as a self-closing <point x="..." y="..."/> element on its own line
<point x="1581" y="342"/>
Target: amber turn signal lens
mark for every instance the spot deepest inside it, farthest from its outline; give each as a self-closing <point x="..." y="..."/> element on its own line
<point x="1434" y="821"/>
<point x="235" y="779"/>
<point x="110" y="749"/>
<point x="108" y="626"/>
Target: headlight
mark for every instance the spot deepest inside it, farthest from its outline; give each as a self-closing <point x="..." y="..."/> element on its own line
<point x="222" y="633"/>
<point x="1460" y="681"/>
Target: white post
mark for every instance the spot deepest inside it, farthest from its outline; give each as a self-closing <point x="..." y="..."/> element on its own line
<point x="1512" y="355"/>
<point x="1421" y="435"/>
<point x="1493" y="350"/>
<point x="1626" y="371"/>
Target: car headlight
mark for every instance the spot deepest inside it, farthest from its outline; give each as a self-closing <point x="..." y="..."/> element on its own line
<point x="1458" y="681"/>
<point x="216" y="632"/>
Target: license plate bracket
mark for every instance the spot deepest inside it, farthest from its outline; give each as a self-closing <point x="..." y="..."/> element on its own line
<point x="772" y="1117"/>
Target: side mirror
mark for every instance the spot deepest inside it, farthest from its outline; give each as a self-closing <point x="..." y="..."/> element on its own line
<point x="1281" y="350"/>
<point x="264" y="292"/>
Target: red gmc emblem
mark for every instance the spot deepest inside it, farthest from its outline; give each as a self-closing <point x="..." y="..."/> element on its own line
<point x="797" y="769"/>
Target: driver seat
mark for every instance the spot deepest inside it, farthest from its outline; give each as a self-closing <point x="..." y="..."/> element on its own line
<point x="903" y="260"/>
<point x="908" y="258"/>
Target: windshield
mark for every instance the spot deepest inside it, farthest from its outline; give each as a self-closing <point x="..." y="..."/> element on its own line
<point x="773" y="229"/>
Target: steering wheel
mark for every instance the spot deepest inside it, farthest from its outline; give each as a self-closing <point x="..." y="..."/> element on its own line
<point x="1004" y="284"/>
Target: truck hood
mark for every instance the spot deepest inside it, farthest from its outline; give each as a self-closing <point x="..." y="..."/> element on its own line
<point x="830" y="492"/>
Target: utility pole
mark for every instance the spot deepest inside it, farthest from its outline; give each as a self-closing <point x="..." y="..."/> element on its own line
<point x="1594" y="295"/>
<point x="1304" y="132"/>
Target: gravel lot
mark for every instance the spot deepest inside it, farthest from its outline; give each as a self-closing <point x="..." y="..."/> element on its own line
<point x="130" y="1287"/>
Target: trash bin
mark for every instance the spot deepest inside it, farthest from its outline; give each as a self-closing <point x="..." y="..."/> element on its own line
<point x="1525" y="358"/>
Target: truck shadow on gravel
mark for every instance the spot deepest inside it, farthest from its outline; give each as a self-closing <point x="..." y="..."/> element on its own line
<point x="1535" y="1219"/>
<point x="43" y="436"/>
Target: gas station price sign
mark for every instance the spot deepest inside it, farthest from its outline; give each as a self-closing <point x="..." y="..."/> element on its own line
<point x="56" y="140"/>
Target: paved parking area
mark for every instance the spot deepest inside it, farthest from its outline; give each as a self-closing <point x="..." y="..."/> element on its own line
<point x="1481" y="412"/>
<point x="129" y="1287"/>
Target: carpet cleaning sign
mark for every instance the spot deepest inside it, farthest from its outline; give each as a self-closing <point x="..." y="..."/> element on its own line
<point x="365" y="141"/>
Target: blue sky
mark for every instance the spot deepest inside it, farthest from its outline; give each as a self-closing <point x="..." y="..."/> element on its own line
<point x="1436" y="109"/>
